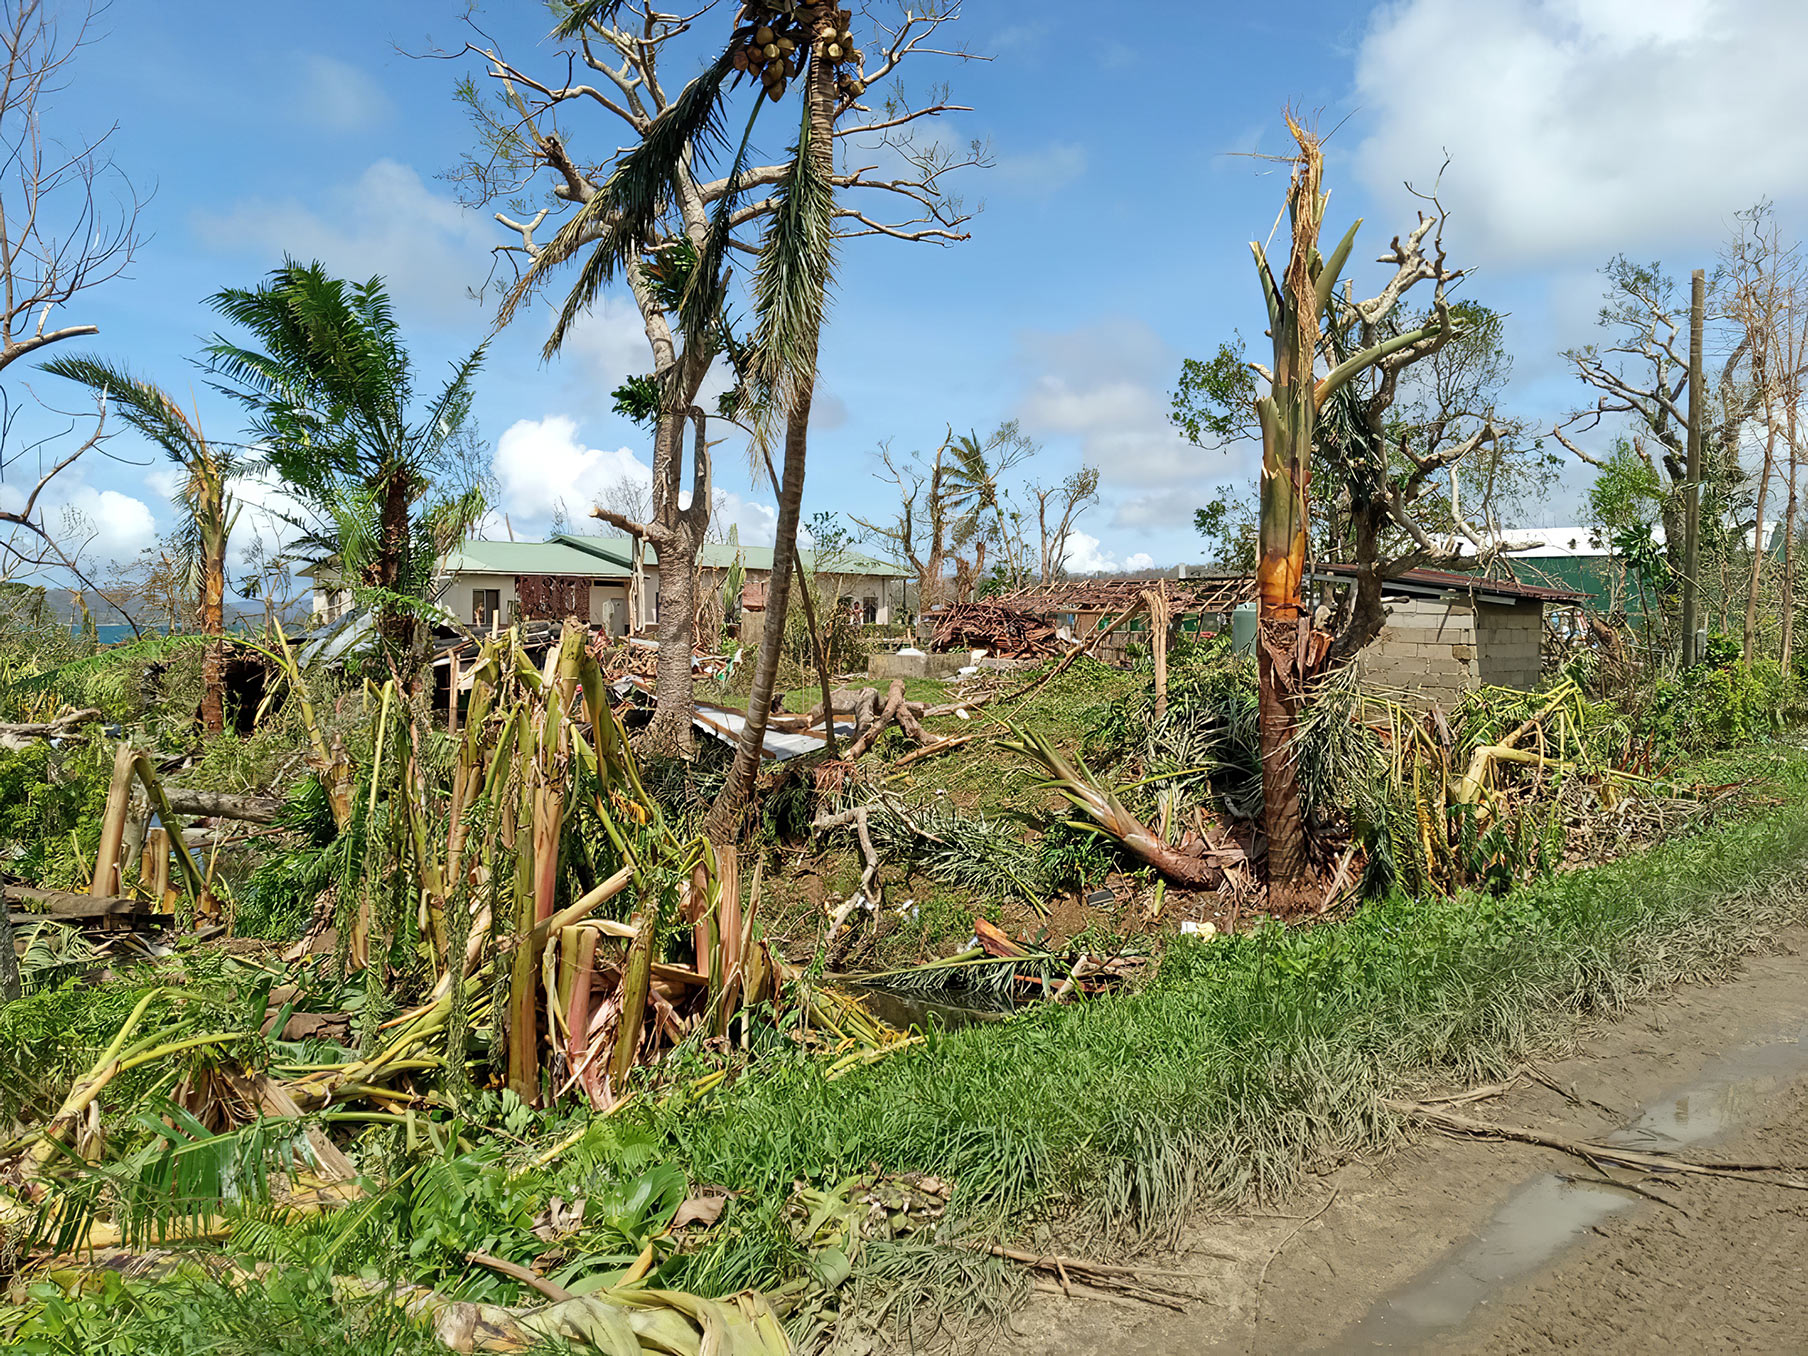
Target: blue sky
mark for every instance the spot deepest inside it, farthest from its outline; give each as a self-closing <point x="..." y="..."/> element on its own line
<point x="1113" y="239"/>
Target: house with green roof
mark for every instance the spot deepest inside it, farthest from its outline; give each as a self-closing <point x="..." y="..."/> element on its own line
<point x="608" y="583"/>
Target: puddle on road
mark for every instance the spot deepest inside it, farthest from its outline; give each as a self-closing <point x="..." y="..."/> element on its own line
<point x="1548" y="1212"/>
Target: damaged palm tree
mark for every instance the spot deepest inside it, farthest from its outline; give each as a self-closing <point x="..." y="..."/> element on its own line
<point x="1291" y="652"/>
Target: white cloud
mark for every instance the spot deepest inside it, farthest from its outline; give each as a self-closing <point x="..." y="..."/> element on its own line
<point x="610" y="342"/>
<point x="540" y="466"/>
<point x="122" y="525"/>
<point x="757" y="523"/>
<point x="1045" y="170"/>
<point x="1160" y="510"/>
<point x="387" y="221"/>
<point x="1107" y="386"/>
<point x="93" y="523"/>
<point x="1085" y="554"/>
<point x="1581" y="127"/>
<point x="338" y="97"/>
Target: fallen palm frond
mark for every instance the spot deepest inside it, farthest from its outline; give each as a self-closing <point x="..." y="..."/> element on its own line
<point x="1200" y="865"/>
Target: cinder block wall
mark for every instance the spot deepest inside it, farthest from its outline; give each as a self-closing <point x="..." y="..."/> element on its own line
<point x="1507" y="641"/>
<point x="1436" y="650"/>
<point x="1427" y="648"/>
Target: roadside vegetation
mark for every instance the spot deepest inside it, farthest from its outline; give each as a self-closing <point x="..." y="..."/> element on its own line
<point x="385" y="983"/>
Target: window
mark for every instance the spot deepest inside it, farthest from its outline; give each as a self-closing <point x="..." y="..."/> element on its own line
<point x="486" y="606"/>
<point x="869" y="611"/>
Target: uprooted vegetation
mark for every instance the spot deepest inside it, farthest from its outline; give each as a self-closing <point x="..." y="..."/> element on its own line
<point x="465" y="1030"/>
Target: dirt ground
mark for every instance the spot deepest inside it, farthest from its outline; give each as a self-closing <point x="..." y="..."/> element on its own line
<point x="1465" y="1245"/>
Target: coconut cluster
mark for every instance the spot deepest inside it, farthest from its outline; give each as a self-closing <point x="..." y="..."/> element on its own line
<point x="776" y="36"/>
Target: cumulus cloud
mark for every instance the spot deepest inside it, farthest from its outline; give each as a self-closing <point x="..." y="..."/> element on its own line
<point x="336" y="96"/>
<point x="1085" y="554"/>
<point x="756" y="523"/>
<point x="1580" y="127"/>
<point x="97" y="524"/>
<point x="1107" y="386"/>
<point x="541" y="466"/>
<point x="387" y="221"/>
<point x="123" y="525"/>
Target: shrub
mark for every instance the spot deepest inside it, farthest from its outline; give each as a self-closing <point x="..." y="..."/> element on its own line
<point x="1721" y="701"/>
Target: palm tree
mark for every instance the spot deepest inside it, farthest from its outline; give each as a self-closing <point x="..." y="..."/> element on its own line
<point x="622" y="224"/>
<point x="329" y="386"/>
<point x="205" y="501"/>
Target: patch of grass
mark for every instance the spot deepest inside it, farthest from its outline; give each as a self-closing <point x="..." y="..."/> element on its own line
<point x="1249" y="1059"/>
<point x="196" y="1314"/>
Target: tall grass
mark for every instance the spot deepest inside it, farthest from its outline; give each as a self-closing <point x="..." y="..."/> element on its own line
<point x="1248" y="1060"/>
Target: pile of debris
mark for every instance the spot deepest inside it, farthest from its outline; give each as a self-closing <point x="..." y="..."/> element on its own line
<point x="1006" y="632"/>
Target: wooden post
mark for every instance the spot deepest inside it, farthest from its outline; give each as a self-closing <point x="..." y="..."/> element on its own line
<point x="137" y="819"/>
<point x="172" y="831"/>
<point x="10" y="987"/>
<point x="113" y="823"/>
<point x="1158" y="634"/>
<point x="1691" y="522"/>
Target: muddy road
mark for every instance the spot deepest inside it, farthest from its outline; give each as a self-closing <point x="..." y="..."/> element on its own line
<point x="1471" y="1246"/>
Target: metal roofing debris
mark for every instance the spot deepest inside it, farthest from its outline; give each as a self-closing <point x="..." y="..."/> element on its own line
<point x="1211" y="594"/>
<point x="1444" y="581"/>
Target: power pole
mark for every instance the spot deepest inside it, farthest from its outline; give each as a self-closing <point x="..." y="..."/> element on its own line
<point x="1691" y="521"/>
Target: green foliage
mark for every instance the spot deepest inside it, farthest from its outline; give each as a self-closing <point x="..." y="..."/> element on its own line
<point x="1215" y="399"/>
<point x="285" y="1312"/>
<point x="51" y="805"/>
<point x="1252" y="1057"/>
<point x="1229" y="530"/>
<point x="1721" y="701"/>
<point x="637" y="399"/>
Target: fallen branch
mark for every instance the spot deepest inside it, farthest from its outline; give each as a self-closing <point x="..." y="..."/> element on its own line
<point x="1594" y="1152"/>
<point x="20" y="735"/>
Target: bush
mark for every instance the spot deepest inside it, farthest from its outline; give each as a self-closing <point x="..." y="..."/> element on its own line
<point x="1721" y="701"/>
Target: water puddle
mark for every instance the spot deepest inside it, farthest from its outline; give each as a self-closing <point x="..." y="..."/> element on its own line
<point x="1550" y="1211"/>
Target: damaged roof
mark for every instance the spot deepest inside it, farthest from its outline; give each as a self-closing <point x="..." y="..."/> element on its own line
<point x="1447" y="581"/>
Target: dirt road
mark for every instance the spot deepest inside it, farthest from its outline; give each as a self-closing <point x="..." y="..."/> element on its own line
<point x="1473" y="1246"/>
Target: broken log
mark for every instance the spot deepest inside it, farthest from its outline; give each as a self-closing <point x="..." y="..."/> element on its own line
<point x="223" y="805"/>
<point x="19" y="735"/>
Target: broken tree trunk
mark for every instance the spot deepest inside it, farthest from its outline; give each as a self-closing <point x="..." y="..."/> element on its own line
<point x="22" y="734"/>
<point x="223" y="805"/>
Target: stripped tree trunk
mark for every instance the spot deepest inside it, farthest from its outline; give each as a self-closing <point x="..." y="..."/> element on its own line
<point x="213" y="626"/>
<point x="1288" y="418"/>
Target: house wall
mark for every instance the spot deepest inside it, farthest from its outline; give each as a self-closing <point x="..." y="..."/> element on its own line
<point x="1508" y="641"/>
<point x="1436" y="649"/>
<point x="608" y="599"/>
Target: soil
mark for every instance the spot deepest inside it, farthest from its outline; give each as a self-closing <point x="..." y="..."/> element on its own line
<point x="1408" y="1252"/>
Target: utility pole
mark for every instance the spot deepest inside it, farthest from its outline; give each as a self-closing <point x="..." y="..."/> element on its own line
<point x="1691" y="521"/>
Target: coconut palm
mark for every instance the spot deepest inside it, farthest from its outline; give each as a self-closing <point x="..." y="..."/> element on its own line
<point x="329" y="385"/>
<point x="624" y="222"/>
<point x="204" y="499"/>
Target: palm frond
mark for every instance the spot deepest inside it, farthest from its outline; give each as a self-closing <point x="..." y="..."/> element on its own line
<point x="796" y="267"/>
<point x="623" y="218"/>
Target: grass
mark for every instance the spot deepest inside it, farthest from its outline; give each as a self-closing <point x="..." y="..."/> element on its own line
<point x="1250" y="1059"/>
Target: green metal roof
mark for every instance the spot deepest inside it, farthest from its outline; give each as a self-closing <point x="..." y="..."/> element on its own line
<point x="720" y="555"/>
<point x="532" y="557"/>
